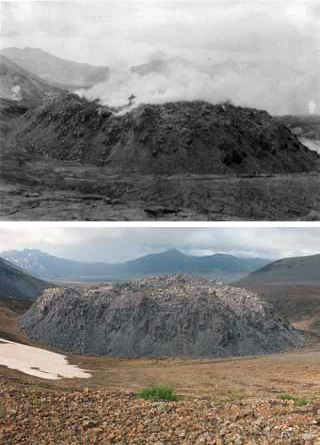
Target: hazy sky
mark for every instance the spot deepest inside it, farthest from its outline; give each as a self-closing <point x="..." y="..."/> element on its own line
<point x="283" y="34"/>
<point x="120" y="244"/>
<point x="101" y="32"/>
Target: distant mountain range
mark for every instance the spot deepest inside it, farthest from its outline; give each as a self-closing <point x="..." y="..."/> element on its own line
<point x="62" y="73"/>
<point x="219" y="266"/>
<point x="18" y="285"/>
<point x="164" y="63"/>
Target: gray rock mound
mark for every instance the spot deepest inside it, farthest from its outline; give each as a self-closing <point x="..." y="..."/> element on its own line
<point x="180" y="137"/>
<point x="160" y="316"/>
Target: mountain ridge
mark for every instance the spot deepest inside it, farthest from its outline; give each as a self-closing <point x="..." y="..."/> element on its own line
<point x="170" y="261"/>
<point x="17" y="285"/>
<point x="63" y="73"/>
<point x="19" y="84"/>
<point x="292" y="286"/>
<point x="292" y="270"/>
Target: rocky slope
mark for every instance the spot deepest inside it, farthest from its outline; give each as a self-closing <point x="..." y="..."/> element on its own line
<point x="15" y="284"/>
<point x="63" y="73"/>
<point x="161" y="316"/>
<point x="181" y="137"/>
<point x="97" y="417"/>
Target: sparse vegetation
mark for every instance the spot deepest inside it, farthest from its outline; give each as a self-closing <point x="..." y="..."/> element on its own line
<point x="161" y="393"/>
<point x="234" y="397"/>
<point x="69" y="414"/>
<point x="298" y="401"/>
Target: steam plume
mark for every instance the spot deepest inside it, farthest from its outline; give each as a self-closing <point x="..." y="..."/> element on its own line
<point x="275" y="87"/>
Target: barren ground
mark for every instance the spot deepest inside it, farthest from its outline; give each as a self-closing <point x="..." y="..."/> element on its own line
<point x="37" y="188"/>
<point x="231" y="401"/>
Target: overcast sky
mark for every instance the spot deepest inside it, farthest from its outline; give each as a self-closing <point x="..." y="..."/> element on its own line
<point x="283" y="34"/>
<point x="120" y="244"/>
<point x="101" y="32"/>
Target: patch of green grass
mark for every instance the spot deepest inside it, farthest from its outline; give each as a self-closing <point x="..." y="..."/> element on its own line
<point x="298" y="401"/>
<point x="234" y="397"/>
<point x="35" y="388"/>
<point x="159" y="393"/>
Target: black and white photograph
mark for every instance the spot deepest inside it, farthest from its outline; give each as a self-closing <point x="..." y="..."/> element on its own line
<point x="160" y="110"/>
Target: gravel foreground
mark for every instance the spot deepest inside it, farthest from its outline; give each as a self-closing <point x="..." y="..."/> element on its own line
<point x="32" y="415"/>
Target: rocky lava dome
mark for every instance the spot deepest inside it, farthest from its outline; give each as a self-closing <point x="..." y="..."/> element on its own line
<point x="160" y="316"/>
<point x="181" y="137"/>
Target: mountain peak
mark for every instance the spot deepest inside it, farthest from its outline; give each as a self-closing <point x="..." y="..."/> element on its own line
<point x="173" y="252"/>
<point x="34" y="252"/>
<point x="28" y="48"/>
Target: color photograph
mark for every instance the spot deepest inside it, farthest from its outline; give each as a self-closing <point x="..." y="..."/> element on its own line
<point x="160" y="335"/>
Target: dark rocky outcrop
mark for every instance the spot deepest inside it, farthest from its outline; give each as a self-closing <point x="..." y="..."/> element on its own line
<point x="160" y="316"/>
<point x="182" y="137"/>
<point x="9" y="111"/>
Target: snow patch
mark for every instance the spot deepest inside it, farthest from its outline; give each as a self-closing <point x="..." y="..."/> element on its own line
<point x="38" y="362"/>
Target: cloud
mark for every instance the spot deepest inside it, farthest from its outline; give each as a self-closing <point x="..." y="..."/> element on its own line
<point x="116" y="244"/>
<point x="179" y="82"/>
<point x="275" y="87"/>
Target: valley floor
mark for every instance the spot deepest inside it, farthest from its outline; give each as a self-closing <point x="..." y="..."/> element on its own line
<point x="37" y="188"/>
